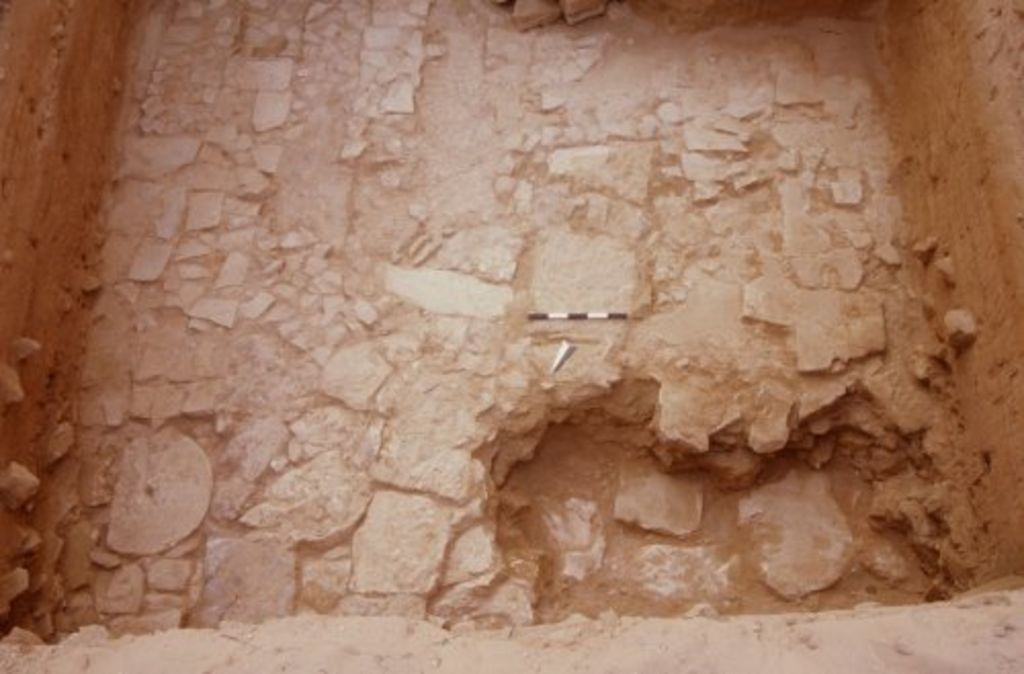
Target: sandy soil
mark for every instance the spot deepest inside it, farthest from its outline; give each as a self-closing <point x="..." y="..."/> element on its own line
<point x="983" y="634"/>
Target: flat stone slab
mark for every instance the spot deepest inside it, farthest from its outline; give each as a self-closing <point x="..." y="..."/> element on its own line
<point x="666" y="504"/>
<point x="246" y="581"/>
<point x="317" y="500"/>
<point x="574" y="272"/>
<point x="803" y="543"/>
<point x="162" y="494"/>
<point x="447" y="292"/>
<point x="400" y="546"/>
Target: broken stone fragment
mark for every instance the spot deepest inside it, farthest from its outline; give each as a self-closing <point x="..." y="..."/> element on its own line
<point x="168" y="575"/>
<point x="155" y="157"/>
<point x="60" y="442"/>
<point x="736" y="468"/>
<point x="204" y="211"/>
<point x="847" y="189"/>
<point x="473" y="554"/>
<point x="325" y="582"/>
<point x="771" y="416"/>
<point x="11" y="391"/>
<point x="24" y="347"/>
<point x="400" y="545"/>
<point x="147" y="623"/>
<point x="315" y="501"/>
<point x="220" y="311"/>
<point x="961" y="328"/>
<point x="233" y="271"/>
<point x="150" y="261"/>
<point x="410" y="606"/>
<point x="574" y="272"/>
<point x="12" y="585"/>
<point x="574" y="526"/>
<point x="255" y="445"/>
<point x="835" y="326"/>
<point x="576" y="11"/>
<point x="17" y="485"/>
<point x="701" y="136"/>
<point x="263" y="74"/>
<point x="658" y="502"/>
<point x="120" y="591"/>
<point x="246" y="581"/>
<point x="884" y="560"/>
<point x="490" y="252"/>
<point x="925" y="249"/>
<point x="400" y="98"/>
<point x="270" y="110"/>
<point x="623" y="170"/>
<point x="688" y="414"/>
<point x="162" y="493"/>
<point x="20" y="637"/>
<point x="529" y="14"/>
<point x="803" y="543"/>
<point x="946" y="269"/>
<point x="74" y="565"/>
<point x="354" y="374"/>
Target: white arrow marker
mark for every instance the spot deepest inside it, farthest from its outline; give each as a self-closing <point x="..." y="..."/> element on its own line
<point x="565" y="351"/>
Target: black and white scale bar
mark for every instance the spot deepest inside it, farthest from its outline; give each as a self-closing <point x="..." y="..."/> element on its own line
<point x="580" y="316"/>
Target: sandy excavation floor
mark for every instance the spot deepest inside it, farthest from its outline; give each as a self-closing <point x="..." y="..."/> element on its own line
<point x="310" y="384"/>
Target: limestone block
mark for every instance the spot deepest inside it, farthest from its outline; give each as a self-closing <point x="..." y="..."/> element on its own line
<point x="400" y="545"/>
<point x="667" y="504"/>
<point x="802" y="539"/>
<point x="246" y="581"/>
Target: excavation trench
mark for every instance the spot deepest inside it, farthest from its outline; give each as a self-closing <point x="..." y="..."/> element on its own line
<point x="265" y="270"/>
<point x="603" y="514"/>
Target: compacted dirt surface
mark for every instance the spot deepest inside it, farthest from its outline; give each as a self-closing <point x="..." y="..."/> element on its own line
<point x="310" y="385"/>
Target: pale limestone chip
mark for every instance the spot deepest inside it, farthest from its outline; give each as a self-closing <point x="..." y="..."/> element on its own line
<point x="253" y="308"/>
<point x="220" y="311"/>
<point x="150" y="261"/>
<point x="17" y="485"/>
<point x="233" y="271"/>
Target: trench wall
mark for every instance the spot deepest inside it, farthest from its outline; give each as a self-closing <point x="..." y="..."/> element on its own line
<point x="958" y="122"/>
<point x="61" y="63"/>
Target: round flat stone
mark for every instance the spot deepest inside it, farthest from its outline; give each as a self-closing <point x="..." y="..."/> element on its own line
<point x="162" y="494"/>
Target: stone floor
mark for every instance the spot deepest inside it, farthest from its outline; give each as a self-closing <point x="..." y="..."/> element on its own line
<point x="330" y="221"/>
